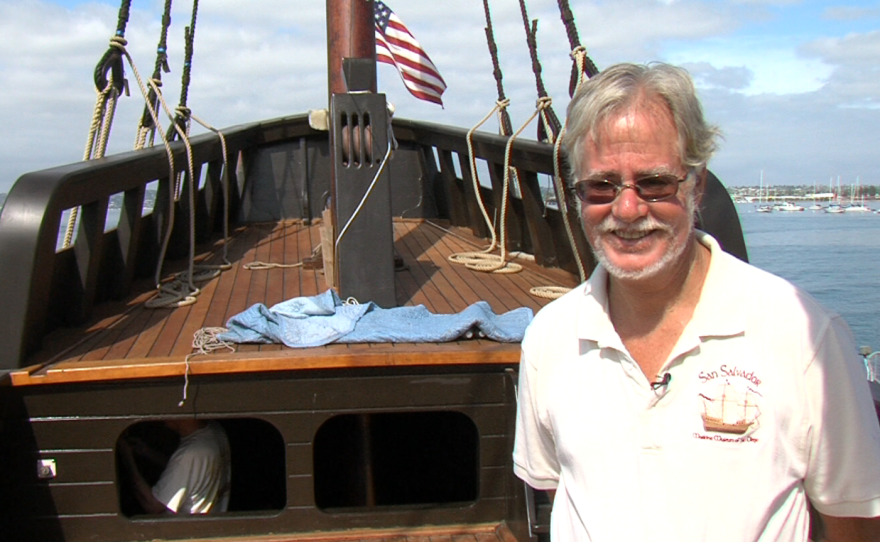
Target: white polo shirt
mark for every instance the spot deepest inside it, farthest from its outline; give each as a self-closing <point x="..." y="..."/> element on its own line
<point x="767" y="406"/>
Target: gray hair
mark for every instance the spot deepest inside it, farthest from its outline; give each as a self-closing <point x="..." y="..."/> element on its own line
<point x="622" y="85"/>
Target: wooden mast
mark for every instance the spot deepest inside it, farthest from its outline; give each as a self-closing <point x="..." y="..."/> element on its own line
<point x="363" y="245"/>
<point x="350" y="34"/>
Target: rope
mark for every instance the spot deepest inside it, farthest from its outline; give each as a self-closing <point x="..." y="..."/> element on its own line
<point x="109" y="78"/>
<point x="106" y="98"/>
<point x="261" y="266"/>
<point x="178" y="296"/>
<point x="146" y="126"/>
<point x="392" y="145"/>
<point x="497" y="263"/>
<point x="553" y="292"/>
<point x="224" y="183"/>
<point x="482" y="261"/>
<point x="205" y="341"/>
<point x="118" y="43"/>
<point x="182" y="290"/>
<point x="171" y="294"/>
<point x="549" y="292"/>
<point x="579" y="55"/>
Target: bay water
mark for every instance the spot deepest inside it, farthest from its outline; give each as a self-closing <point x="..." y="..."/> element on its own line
<point x="834" y="257"/>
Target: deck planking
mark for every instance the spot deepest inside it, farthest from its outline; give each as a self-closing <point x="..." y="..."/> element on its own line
<point x="127" y="334"/>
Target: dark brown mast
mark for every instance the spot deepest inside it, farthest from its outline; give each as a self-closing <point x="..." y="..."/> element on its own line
<point x="360" y="191"/>
<point x="350" y="34"/>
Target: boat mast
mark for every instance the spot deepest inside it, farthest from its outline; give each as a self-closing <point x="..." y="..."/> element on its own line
<point x="362" y="242"/>
<point x="350" y="34"/>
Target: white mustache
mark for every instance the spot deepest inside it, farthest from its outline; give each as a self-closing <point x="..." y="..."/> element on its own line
<point x="612" y="224"/>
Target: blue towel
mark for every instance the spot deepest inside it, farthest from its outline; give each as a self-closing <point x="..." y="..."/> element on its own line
<point x="322" y="319"/>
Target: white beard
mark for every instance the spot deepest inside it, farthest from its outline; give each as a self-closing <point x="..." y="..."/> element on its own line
<point x="649" y="223"/>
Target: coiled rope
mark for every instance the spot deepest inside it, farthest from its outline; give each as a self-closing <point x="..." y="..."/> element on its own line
<point x="484" y="261"/>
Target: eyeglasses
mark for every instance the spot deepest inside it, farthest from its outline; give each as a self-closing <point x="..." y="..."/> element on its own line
<point x="651" y="188"/>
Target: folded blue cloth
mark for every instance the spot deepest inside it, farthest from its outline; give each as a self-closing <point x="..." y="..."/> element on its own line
<point x="322" y="319"/>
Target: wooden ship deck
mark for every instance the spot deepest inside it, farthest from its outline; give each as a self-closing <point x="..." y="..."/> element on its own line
<point x="125" y="339"/>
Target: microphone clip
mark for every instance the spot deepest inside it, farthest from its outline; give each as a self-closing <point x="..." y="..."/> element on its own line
<point x="662" y="382"/>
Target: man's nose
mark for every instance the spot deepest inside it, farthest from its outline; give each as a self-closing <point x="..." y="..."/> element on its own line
<point x="629" y="206"/>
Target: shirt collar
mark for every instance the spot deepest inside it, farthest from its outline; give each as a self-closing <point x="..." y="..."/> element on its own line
<point x="720" y="311"/>
<point x="593" y="320"/>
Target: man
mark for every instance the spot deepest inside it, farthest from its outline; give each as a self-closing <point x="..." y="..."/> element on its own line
<point x="681" y="394"/>
<point x="197" y="477"/>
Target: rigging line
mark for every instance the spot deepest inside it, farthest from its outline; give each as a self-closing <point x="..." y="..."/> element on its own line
<point x="146" y="123"/>
<point x="491" y="263"/>
<point x="574" y="42"/>
<point x="392" y="145"/>
<point x="499" y="106"/>
<point x="182" y="290"/>
<point x="109" y="79"/>
<point x="465" y="258"/>
<point x="174" y="293"/>
<point x="531" y="41"/>
<point x="563" y="195"/>
<point x="181" y="119"/>
<point x="505" y="126"/>
<point x="225" y="187"/>
<point x="170" y="155"/>
<point x="360" y="204"/>
<point x="102" y="119"/>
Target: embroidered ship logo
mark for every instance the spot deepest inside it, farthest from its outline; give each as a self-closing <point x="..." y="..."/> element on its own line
<point x="730" y="410"/>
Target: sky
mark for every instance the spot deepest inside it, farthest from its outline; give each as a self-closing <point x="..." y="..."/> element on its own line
<point x="793" y="85"/>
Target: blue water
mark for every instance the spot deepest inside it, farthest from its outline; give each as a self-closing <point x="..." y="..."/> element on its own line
<point x="834" y="257"/>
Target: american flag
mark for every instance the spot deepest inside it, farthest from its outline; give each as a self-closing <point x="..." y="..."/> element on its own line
<point x="395" y="45"/>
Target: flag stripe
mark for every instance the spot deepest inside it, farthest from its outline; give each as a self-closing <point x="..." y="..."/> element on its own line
<point x="426" y="78"/>
<point x="416" y="87"/>
<point x="414" y="56"/>
<point x="395" y="45"/>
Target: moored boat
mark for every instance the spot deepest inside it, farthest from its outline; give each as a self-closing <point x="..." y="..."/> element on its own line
<point x="789" y="206"/>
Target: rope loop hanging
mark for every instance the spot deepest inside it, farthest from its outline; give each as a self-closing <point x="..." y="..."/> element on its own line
<point x="110" y="83"/>
<point x="483" y="261"/>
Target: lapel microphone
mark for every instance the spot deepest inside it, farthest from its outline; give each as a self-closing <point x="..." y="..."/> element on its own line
<point x="662" y="382"/>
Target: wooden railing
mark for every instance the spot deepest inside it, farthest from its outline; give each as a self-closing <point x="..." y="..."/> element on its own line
<point x="43" y="287"/>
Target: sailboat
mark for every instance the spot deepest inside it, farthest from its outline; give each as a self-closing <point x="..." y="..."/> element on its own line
<point x="761" y="207"/>
<point x="835" y="207"/>
<point x="857" y="207"/>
